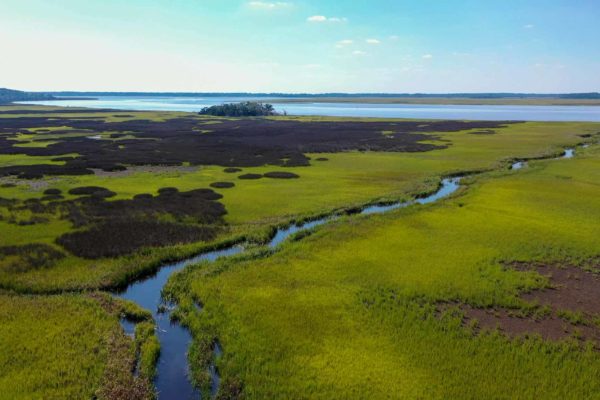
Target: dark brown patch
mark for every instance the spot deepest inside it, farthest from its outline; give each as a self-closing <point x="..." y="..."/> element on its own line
<point x="549" y="327"/>
<point x="120" y="237"/>
<point x="29" y="257"/>
<point x="232" y="143"/>
<point x="168" y="190"/>
<point x="119" y="227"/>
<point x="322" y="159"/>
<point x="281" y="175"/>
<point x="222" y="185"/>
<point x="197" y="206"/>
<point x="118" y="382"/>
<point x="52" y="191"/>
<point x="95" y="191"/>
<point x="569" y="307"/>
<point x="232" y="170"/>
<point x="571" y="289"/>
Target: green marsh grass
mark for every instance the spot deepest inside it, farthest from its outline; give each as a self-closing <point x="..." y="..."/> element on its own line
<point x="351" y="310"/>
<point x="346" y="180"/>
<point x="59" y="347"/>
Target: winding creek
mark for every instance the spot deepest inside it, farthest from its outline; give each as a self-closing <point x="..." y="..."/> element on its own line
<point x="172" y="370"/>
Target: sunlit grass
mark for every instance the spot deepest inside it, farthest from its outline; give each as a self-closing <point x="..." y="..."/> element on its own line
<point x="52" y="347"/>
<point x="347" y="179"/>
<point x="349" y="312"/>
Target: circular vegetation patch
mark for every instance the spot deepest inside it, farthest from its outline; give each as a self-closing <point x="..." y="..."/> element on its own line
<point x="222" y="185"/>
<point x="95" y="191"/>
<point x="250" y="176"/>
<point x="168" y="190"/>
<point x="232" y="170"/>
<point x="52" y="191"/>
<point x="281" y="175"/>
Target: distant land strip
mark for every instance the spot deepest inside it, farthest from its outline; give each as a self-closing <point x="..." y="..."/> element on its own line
<point x="531" y="101"/>
<point x="549" y="99"/>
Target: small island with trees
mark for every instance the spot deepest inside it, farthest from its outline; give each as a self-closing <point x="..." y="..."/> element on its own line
<point x="244" y="109"/>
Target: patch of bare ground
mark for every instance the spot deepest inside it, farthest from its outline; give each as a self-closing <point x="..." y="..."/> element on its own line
<point x="569" y="307"/>
<point x="118" y="382"/>
<point x="33" y="184"/>
<point x="152" y="169"/>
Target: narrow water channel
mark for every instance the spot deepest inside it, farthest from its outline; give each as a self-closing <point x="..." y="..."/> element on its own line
<point x="172" y="381"/>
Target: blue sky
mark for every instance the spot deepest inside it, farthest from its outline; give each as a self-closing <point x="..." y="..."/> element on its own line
<point x="301" y="45"/>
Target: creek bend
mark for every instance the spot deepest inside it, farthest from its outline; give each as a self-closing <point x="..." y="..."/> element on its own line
<point x="172" y="379"/>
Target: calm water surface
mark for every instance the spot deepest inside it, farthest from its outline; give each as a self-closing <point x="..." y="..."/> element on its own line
<point x="418" y="111"/>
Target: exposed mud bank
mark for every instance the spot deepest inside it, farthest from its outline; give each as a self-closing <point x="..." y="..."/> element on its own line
<point x="568" y="307"/>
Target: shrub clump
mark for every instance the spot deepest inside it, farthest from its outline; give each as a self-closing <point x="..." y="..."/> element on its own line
<point x="95" y="191"/>
<point x="167" y="190"/>
<point x="281" y="175"/>
<point x="250" y="176"/>
<point x="244" y="109"/>
<point x="231" y="170"/>
<point x="29" y="257"/>
<point x="222" y="185"/>
<point x="119" y="227"/>
<point x="121" y="237"/>
<point x="199" y="205"/>
<point x="52" y="191"/>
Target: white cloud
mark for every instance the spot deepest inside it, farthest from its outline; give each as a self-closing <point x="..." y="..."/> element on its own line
<point x="345" y="42"/>
<point x="322" y="18"/>
<point x="529" y="26"/>
<point x="264" y="5"/>
<point x="372" y="41"/>
<point x="317" y="18"/>
<point x="359" y="53"/>
<point x="394" y="37"/>
<point x="427" y="56"/>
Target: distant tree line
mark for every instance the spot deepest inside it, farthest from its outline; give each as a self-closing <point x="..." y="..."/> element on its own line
<point x="505" y="95"/>
<point x="9" y="95"/>
<point x="244" y="109"/>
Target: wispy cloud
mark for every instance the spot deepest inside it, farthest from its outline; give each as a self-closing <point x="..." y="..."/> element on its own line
<point x="322" y="18"/>
<point x="265" y="5"/>
<point x="529" y="26"/>
<point x="372" y="41"/>
<point x="427" y="57"/>
<point x="359" y="53"/>
<point x="343" y="43"/>
<point x="394" y="37"/>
